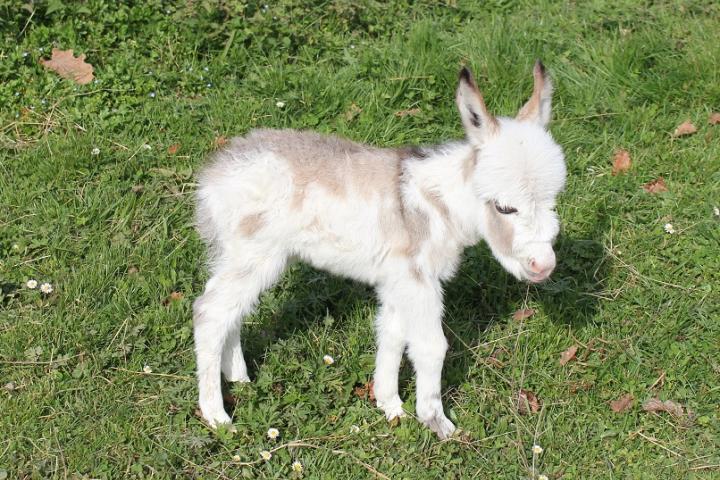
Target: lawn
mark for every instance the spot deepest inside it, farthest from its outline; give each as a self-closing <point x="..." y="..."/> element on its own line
<point x="96" y="198"/>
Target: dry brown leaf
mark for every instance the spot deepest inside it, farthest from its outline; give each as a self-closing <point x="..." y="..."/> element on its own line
<point x="527" y="402"/>
<point x="714" y="118"/>
<point x="568" y="355"/>
<point x="173" y="297"/>
<point x="68" y="66"/>
<point x="220" y="141"/>
<point x="621" y="161"/>
<point x="137" y="188"/>
<point x="622" y="403"/>
<point x="685" y="128"/>
<point x="173" y="149"/>
<point x="365" y="390"/>
<point x="352" y="112"/>
<point x="523" y="313"/>
<point x="409" y="112"/>
<point x="656" y="186"/>
<point x="657" y="405"/>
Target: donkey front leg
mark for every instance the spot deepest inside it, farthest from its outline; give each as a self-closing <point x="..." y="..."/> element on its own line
<point x="418" y="309"/>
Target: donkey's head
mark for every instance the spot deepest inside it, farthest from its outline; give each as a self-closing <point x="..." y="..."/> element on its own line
<point x="518" y="171"/>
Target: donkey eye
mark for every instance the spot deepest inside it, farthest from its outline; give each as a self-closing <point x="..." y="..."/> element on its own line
<point x="505" y="210"/>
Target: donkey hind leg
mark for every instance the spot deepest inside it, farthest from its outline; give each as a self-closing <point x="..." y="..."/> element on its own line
<point x="390" y="333"/>
<point x="230" y="294"/>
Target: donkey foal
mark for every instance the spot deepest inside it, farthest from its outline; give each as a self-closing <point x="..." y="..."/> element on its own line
<point x="397" y="219"/>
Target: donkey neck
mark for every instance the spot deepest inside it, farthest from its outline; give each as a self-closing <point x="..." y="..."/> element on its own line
<point x="439" y="182"/>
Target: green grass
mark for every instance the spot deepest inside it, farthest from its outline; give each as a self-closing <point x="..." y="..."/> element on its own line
<point x="641" y="304"/>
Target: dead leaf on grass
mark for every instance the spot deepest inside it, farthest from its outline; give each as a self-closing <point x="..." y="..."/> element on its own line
<point x="65" y="64"/>
<point x="685" y="128"/>
<point x="568" y="355"/>
<point x="220" y="141"/>
<point x="173" y="297"/>
<point x="622" y="403"/>
<point x="173" y="149"/>
<point x="365" y="390"/>
<point x="527" y="402"/>
<point x="621" y="161"/>
<point x="656" y="186"/>
<point x="714" y="118"/>
<point x="352" y="112"/>
<point x="523" y="313"/>
<point x="657" y="405"/>
<point x="409" y="112"/>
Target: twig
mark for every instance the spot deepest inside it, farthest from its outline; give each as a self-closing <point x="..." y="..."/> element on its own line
<point x="168" y="375"/>
<point x="655" y="442"/>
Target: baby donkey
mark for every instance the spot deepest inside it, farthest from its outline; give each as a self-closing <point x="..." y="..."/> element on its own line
<point x="397" y="219"/>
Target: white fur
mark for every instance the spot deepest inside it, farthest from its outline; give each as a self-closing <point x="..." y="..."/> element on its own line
<point x="514" y="163"/>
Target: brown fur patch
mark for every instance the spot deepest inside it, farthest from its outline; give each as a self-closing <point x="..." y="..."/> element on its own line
<point x="468" y="166"/>
<point x="332" y="163"/>
<point x="500" y="231"/>
<point x="251" y="224"/>
<point x="435" y="199"/>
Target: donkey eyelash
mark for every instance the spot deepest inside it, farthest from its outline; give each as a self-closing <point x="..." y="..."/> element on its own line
<point x="505" y="210"/>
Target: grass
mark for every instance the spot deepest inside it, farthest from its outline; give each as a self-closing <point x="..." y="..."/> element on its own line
<point x="112" y="232"/>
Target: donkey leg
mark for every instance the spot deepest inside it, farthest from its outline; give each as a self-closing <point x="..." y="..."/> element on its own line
<point x="233" y="362"/>
<point x="390" y="346"/>
<point x="426" y="348"/>
<point x="230" y="294"/>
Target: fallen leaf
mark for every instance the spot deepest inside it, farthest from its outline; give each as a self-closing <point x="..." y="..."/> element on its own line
<point x="229" y="401"/>
<point x="622" y="403"/>
<point x="657" y="405"/>
<point x="527" y="402"/>
<point x="409" y="112"/>
<point x="621" y="161"/>
<point x="173" y="149"/>
<point x="65" y="64"/>
<point x="132" y="270"/>
<point x="173" y="297"/>
<point x="522" y="314"/>
<point x="685" y="128"/>
<point x="352" y="112"/>
<point x="568" y="355"/>
<point x="656" y="186"/>
<point x="714" y="118"/>
<point x="137" y="188"/>
<point x="365" y="390"/>
<point x="220" y="141"/>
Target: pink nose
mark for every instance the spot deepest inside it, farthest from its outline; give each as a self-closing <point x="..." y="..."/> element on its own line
<point x="542" y="269"/>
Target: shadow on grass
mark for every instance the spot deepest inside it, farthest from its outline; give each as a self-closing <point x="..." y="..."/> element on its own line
<point x="481" y="293"/>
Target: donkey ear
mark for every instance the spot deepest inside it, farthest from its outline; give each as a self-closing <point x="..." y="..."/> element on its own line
<point x="475" y="117"/>
<point x="538" y="108"/>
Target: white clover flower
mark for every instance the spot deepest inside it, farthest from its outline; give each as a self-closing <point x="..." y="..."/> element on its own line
<point x="537" y="449"/>
<point x="46" y="288"/>
<point x="280" y="104"/>
<point x="328" y="360"/>
<point x="716" y="211"/>
<point x="146" y="146"/>
<point x="152" y="94"/>
<point x="265" y="455"/>
<point x="95" y="151"/>
<point x="206" y="69"/>
<point x="297" y="467"/>
<point x="147" y="369"/>
<point x="32" y="283"/>
<point x="273" y="433"/>
<point x="209" y="85"/>
<point x="16" y="246"/>
<point x="25" y="54"/>
<point x="236" y="458"/>
<point x="542" y="477"/>
<point x="354" y="429"/>
<point x="669" y="228"/>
